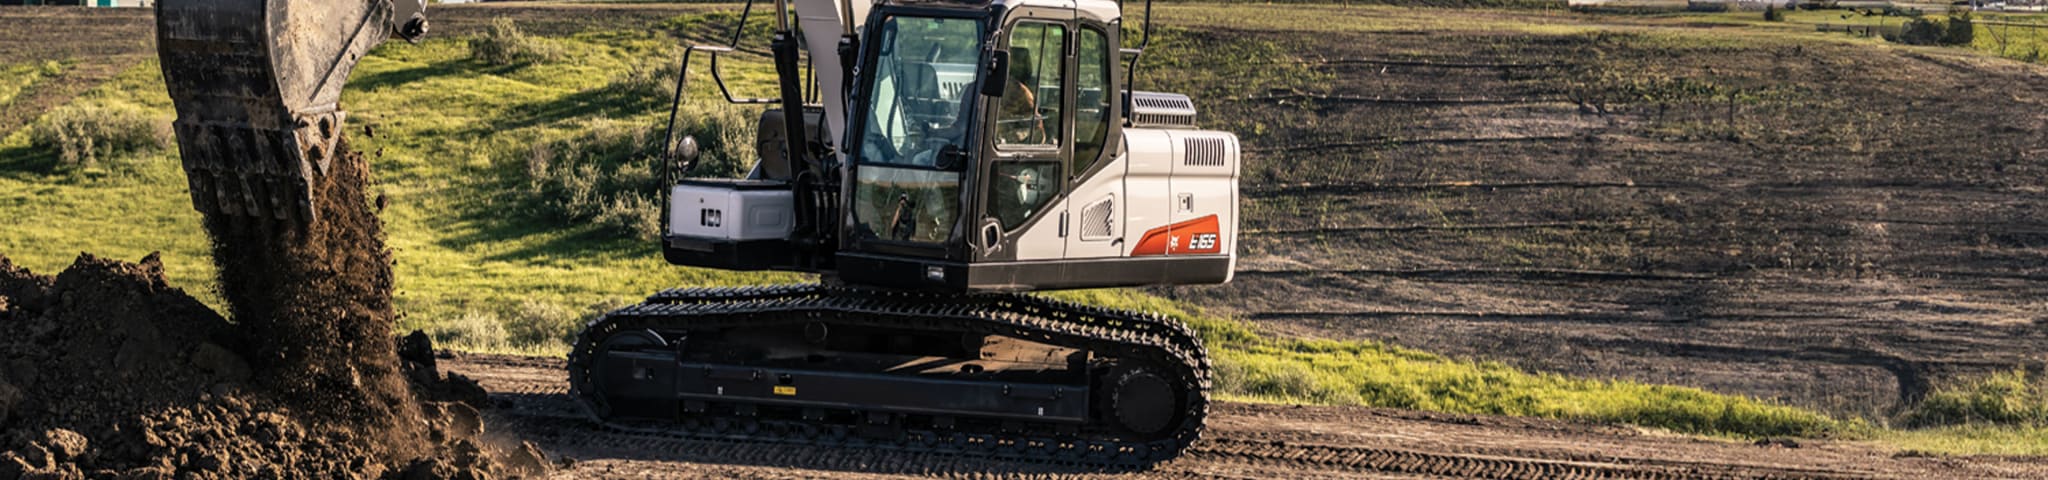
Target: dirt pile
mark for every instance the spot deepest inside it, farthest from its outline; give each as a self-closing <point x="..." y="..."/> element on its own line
<point x="111" y="373"/>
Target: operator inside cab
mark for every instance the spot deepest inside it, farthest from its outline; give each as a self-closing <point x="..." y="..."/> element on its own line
<point x="1028" y="123"/>
<point x="1020" y="122"/>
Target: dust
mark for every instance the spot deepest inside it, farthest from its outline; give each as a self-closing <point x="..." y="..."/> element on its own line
<point x="111" y="373"/>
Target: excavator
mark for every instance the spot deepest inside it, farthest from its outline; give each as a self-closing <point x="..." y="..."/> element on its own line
<point x="930" y="161"/>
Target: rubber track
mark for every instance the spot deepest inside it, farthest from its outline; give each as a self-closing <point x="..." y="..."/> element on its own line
<point x="1156" y="340"/>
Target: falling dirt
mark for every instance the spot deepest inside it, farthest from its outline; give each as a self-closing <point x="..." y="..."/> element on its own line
<point x="111" y="373"/>
<point x="318" y="302"/>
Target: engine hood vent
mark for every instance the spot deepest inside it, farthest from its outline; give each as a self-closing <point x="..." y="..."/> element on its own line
<point x="1162" y="110"/>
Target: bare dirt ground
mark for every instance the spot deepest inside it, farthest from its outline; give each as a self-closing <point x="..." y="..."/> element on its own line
<point x="1244" y="441"/>
<point x="1859" y="223"/>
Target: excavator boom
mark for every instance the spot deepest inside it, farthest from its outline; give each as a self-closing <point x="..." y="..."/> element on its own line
<point x="256" y="85"/>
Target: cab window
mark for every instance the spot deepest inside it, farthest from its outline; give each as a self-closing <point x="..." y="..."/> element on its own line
<point x="1091" y="115"/>
<point x="1031" y="102"/>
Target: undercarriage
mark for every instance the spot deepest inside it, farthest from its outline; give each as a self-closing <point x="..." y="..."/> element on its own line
<point x="999" y="375"/>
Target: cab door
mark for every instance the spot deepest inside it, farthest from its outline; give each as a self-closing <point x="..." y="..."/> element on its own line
<point x="1096" y="200"/>
<point x="1028" y="144"/>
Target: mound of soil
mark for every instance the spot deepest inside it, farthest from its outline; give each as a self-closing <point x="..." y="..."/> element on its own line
<point x="111" y="373"/>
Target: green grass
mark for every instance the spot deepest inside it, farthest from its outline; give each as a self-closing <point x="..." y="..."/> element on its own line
<point x="16" y="79"/>
<point x="484" y="270"/>
<point x="2001" y="415"/>
<point x="124" y="213"/>
<point x="1969" y="440"/>
<point x="2006" y="398"/>
<point x="1251" y="366"/>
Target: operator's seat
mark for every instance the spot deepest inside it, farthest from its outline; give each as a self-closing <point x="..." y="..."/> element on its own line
<point x="921" y="92"/>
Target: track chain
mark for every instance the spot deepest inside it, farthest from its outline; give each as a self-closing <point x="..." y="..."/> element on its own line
<point x="1151" y="339"/>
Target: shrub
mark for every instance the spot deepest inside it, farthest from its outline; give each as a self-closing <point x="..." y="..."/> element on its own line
<point x="542" y="324"/>
<point x="653" y="80"/>
<point x="605" y="176"/>
<point x="86" y="135"/>
<point x="609" y="174"/>
<point x="1961" y="30"/>
<point x="535" y="326"/>
<point x="725" y="135"/>
<point x="724" y="132"/>
<point x="2001" y="398"/>
<point x="503" y="44"/>
<point x="1772" y="14"/>
<point x="473" y="331"/>
<point x="1955" y="30"/>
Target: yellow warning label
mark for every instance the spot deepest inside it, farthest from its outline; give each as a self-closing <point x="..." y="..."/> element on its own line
<point x="785" y="390"/>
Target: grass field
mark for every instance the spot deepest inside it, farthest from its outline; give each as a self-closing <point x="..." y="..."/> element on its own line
<point x="484" y="268"/>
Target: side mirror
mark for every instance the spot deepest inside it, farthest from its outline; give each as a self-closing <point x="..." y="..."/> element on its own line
<point x="681" y="157"/>
<point x="995" y="75"/>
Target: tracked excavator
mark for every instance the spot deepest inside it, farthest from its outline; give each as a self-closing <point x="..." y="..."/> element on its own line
<point x="930" y="160"/>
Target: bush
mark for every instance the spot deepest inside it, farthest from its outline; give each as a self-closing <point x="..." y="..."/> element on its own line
<point x="1772" y="14"/>
<point x="542" y="324"/>
<point x="606" y="176"/>
<point x="1955" y="30"/>
<point x="530" y="327"/>
<point x="2001" y="398"/>
<point x="610" y="174"/>
<point x="87" y="135"/>
<point x="725" y="133"/>
<point x="651" y="80"/>
<point x="503" y="44"/>
<point x="1961" y="30"/>
<point x="473" y="332"/>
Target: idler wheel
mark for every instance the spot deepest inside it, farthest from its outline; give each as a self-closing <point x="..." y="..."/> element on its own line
<point x="601" y="363"/>
<point x="1144" y="402"/>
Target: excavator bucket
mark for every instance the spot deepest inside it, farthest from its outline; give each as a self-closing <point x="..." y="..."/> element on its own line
<point x="257" y="83"/>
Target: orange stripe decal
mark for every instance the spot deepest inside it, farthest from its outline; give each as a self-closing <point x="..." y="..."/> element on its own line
<point x="1198" y="236"/>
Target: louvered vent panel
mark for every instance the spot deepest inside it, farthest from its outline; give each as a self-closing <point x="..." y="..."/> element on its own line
<point x="1168" y="110"/>
<point x="1205" y="152"/>
<point x="1163" y="120"/>
<point x="1098" y="221"/>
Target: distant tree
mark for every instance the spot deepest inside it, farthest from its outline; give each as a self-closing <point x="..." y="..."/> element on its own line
<point x="1922" y="31"/>
<point x="1772" y="14"/>
<point x="1961" y="30"/>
